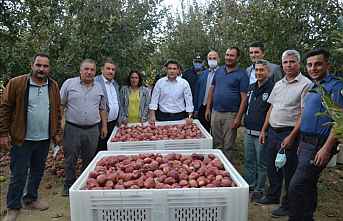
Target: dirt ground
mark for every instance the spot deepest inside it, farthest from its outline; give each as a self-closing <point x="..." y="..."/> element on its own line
<point x="330" y="206"/>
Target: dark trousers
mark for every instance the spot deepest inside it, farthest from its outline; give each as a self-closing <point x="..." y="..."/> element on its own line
<point x="102" y="144"/>
<point x="276" y="177"/>
<point x="29" y="155"/>
<point x="201" y="117"/>
<point x="162" y="116"/>
<point x="78" y="141"/>
<point x="303" y="186"/>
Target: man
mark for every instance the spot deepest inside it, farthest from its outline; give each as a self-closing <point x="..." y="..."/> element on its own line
<point x="191" y="75"/>
<point x="255" y="165"/>
<point x="203" y="85"/>
<point x="317" y="141"/>
<point x="84" y="104"/>
<point x="172" y="97"/>
<point x="228" y="94"/>
<point x="110" y="89"/>
<point x="30" y="118"/>
<point x="256" y="52"/>
<point x="283" y="131"/>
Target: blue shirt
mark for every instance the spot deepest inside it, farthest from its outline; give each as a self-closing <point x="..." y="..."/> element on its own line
<point x="38" y="112"/>
<point x="227" y="87"/>
<point x="312" y="124"/>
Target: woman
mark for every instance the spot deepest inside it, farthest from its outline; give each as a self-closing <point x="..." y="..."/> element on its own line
<point x="135" y="99"/>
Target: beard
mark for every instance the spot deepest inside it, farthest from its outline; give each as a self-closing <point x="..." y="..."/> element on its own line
<point x="40" y="75"/>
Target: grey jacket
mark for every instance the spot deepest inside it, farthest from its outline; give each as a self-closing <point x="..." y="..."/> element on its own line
<point x="275" y="72"/>
<point x="101" y="81"/>
<point x="144" y="101"/>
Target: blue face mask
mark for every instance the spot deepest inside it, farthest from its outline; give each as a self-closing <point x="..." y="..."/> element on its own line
<point x="198" y="66"/>
<point x="280" y="159"/>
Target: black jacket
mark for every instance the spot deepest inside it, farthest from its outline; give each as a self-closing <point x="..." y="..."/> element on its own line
<point x="257" y="105"/>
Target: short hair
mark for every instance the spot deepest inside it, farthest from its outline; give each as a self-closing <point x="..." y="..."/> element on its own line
<point x="87" y="60"/>
<point x="291" y="52"/>
<point x="257" y="44"/>
<point x="172" y="61"/>
<point x="108" y="60"/>
<point x="318" y="51"/>
<point x="237" y="49"/>
<point x="213" y="51"/>
<point x="263" y="62"/>
<point x="140" y="82"/>
<point x="39" y="54"/>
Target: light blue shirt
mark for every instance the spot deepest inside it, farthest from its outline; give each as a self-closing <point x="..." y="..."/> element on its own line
<point x="38" y="112"/>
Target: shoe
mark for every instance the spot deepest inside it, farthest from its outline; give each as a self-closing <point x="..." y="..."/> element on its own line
<point x="254" y="196"/>
<point x="11" y="215"/>
<point x="266" y="201"/>
<point x="279" y="212"/>
<point x="37" y="205"/>
<point x="65" y="192"/>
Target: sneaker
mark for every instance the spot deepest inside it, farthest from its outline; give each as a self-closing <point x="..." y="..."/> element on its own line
<point x="266" y="201"/>
<point x="279" y="212"/>
<point x="37" y="205"/>
<point x="11" y="215"/>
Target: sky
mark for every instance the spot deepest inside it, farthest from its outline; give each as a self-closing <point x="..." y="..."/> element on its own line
<point x="176" y="4"/>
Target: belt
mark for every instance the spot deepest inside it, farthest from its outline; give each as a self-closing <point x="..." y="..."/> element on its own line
<point x="282" y="129"/>
<point x="253" y="132"/>
<point x="82" y="126"/>
<point x="315" y="140"/>
<point x="173" y="114"/>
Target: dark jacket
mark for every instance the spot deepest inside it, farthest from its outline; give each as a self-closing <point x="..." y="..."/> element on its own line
<point x="257" y="105"/>
<point x="13" y="109"/>
<point x="191" y="76"/>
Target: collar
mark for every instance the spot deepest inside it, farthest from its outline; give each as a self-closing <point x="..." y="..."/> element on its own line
<point x="178" y="78"/>
<point x="35" y="84"/>
<point x="212" y="70"/>
<point x="296" y="79"/>
<point x="326" y="79"/>
<point x="82" y="83"/>
<point x="107" y="81"/>
<point x="228" y="72"/>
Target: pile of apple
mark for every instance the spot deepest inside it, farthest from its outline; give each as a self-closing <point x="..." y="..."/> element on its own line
<point x="156" y="171"/>
<point x="157" y="132"/>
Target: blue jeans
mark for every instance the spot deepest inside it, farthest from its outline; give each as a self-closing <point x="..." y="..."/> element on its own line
<point x="30" y="155"/>
<point x="276" y="177"/>
<point x="255" y="165"/>
<point x="303" y="186"/>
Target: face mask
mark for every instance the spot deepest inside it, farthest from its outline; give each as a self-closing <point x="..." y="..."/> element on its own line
<point x="198" y="66"/>
<point x="281" y="159"/>
<point x="212" y="63"/>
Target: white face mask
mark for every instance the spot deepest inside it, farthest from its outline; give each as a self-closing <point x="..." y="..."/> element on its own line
<point x="280" y="159"/>
<point x="212" y="63"/>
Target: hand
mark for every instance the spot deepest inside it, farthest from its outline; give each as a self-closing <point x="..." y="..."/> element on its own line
<point x="103" y="132"/>
<point x="152" y="119"/>
<point x="189" y="121"/>
<point x="235" y="123"/>
<point x="287" y="142"/>
<point x="5" y="142"/>
<point x="124" y="122"/>
<point x="262" y="137"/>
<point x="322" y="157"/>
<point x="58" y="140"/>
<point x="207" y="114"/>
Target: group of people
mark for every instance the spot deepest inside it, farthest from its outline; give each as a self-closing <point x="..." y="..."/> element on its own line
<point x="277" y="106"/>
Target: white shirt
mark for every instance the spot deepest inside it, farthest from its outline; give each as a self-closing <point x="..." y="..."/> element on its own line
<point x="286" y="100"/>
<point x="252" y="79"/>
<point x="112" y="100"/>
<point x="172" y="96"/>
<point x="210" y="76"/>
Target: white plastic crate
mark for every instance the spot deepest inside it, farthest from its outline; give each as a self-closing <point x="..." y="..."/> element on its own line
<point x="182" y="144"/>
<point x="193" y="204"/>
